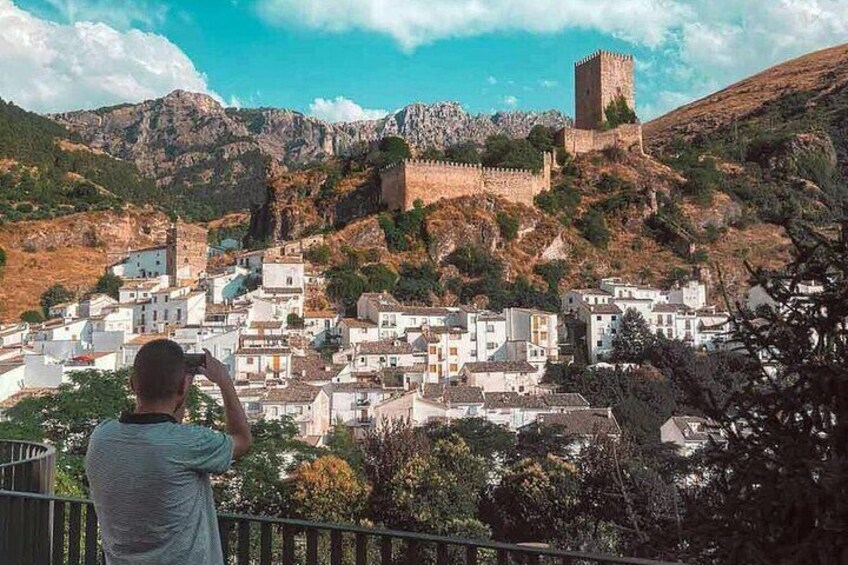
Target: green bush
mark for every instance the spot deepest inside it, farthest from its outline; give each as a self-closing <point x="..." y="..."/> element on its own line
<point x="502" y="151"/>
<point x="474" y="261"/>
<point x="32" y="317"/>
<point x="464" y="152"/>
<point x="594" y="228"/>
<point x="108" y="284"/>
<point x="294" y="321"/>
<point x="2" y="257"/>
<point x="418" y="283"/>
<point x="54" y="295"/>
<point x="541" y="138"/>
<point x="318" y="254"/>
<point x="508" y="225"/>
<point x="618" y="112"/>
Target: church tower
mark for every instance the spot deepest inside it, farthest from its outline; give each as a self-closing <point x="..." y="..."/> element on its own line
<point x="598" y="79"/>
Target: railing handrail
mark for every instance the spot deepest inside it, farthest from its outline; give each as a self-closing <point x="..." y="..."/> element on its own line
<point x="398" y="534"/>
<point x="44" y="451"/>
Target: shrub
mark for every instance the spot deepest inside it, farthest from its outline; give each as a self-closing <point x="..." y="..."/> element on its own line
<point x="318" y="254"/>
<point x="618" y="112"/>
<point x="56" y="294"/>
<point x="502" y="151"/>
<point x="108" y="284"/>
<point x="294" y="321"/>
<point x="508" y="225"/>
<point x="593" y="226"/>
<point x="464" y="152"/>
<point x="2" y="257"/>
<point x="32" y="317"/>
<point x="417" y="283"/>
<point x="541" y="137"/>
<point x="475" y="261"/>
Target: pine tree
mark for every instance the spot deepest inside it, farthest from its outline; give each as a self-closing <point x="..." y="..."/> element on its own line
<point x="778" y="492"/>
<point x="633" y="339"/>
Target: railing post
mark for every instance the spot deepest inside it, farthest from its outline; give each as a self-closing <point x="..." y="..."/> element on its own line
<point x="243" y="542"/>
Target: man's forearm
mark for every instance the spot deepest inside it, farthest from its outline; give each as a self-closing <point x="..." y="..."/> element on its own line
<point x="237" y="425"/>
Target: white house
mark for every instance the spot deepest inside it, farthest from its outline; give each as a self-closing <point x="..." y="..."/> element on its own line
<point x="372" y="356"/>
<point x="411" y="406"/>
<point x="282" y="272"/>
<point x="690" y="433"/>
<point x="222" y="342"/>
<point x="692" y="294"/>
<point x="319" y="326"/>
<point x="272" y="362"/>
<point x="65" y="310"/>
<point x="225" y="286"/>
<point x="536" y="326"/>
<point x="63" y="339"/>
<point x="174" y="307"/>
<point x="352" y="404"/>
<point x="355" y="331"/>
<point x="307" y="405"/>
<point x="602" y="322"/>
<point x="514" y="410"/>
<point x="95" y="305"/>
<point x="502" y="376"/>
<point x="148" y="262"/>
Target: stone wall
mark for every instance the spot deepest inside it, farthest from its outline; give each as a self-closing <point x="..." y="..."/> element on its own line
<point x="578" y="141"/>
<point x="598" y="79"/>
<point x="429" y="181"/>
<point x="187" y="252"/>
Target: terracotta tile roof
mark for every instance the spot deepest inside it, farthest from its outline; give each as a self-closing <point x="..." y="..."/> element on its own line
<point x="357" y="323"/>
<point x="24" y="394"/>
<point x="8" y="365"/>
<point x="565" y="399"/>
<point x="583" y="422"/>
<point x="694" y="428"/>
<point x="282" y="289"/>
<point x="263" y="351"/>
<point x="314" y="368"/>
<point x="426" y="311"/>
<point x="356" y="386"/>
<point x="500" y="366"/>
<point x="273" y="324"/>
<point x="320" y="314"/>
<point x="145" y="338"/>
<point x="494" y="400"/>
<point x="454" y="394"/>
<point x="534" y="402"/>
<point x="668" y="308"/>
<point x="295" y="393"/>
<point x="384" y="347"/>
<point x="604" y="309"/>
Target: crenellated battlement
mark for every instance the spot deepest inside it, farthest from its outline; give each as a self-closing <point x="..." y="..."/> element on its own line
<point x="429" y="180"/>
<point x="604" y="53"/>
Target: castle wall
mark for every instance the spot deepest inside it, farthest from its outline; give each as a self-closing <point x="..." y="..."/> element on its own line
<point x="578" y="141"/>
<point x="402" y="184"/>
<point x="598" y="79"/>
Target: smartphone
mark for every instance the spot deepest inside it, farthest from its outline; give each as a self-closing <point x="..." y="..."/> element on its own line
<point x="194" y="361"/>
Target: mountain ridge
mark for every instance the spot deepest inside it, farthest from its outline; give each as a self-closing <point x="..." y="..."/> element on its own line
<point x="193" y="146"/>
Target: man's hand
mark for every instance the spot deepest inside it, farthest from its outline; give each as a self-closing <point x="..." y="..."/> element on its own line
<point x="214" y="370"/>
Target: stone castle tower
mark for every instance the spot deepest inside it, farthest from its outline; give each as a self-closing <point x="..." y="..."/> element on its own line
<point x="598" y="79"/>
<point x="186" y="252"/>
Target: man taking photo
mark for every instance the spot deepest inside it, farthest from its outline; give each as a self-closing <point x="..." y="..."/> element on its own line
<point x="149" y="473"/>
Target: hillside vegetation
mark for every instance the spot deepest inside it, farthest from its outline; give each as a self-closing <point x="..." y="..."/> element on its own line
<point x="45" y="171"/>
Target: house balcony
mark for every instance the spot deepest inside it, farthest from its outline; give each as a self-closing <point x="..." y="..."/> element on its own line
<point x="38" y="528"/>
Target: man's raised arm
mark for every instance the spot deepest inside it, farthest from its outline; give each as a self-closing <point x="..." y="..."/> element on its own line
<point x="237" y="426"/>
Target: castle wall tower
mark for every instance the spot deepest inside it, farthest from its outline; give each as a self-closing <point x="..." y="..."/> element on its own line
<point x="598" y="79"/>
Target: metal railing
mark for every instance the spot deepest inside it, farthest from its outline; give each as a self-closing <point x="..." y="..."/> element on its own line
<point x="26" y="466"/>
<point x="48" y="530"/>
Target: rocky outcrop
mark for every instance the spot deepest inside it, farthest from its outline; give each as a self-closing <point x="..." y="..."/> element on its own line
<point x="809" y="156"/>
<point x="189" y="143"/>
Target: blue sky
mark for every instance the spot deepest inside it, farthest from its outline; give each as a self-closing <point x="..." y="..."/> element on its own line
<point x="350" y="59"/>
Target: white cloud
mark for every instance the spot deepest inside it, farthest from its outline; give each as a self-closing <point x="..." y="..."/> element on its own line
<point x="549" y="83"/>
<point x="510" y="101"/>
<point x="122" y="15"/>
<point x="491" y="80"/>
<point x="49" y="67"/>
<point x="341" y="109"/>
<point x="417" y="22"/>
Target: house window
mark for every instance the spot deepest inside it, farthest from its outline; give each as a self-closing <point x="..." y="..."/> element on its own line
<point x="393" y="361"/>
<point x="362" y="360"/>
<point x="453" y="351"/>
<point x="250" y="360"/>
<point x="155" y="315"/>
<point x="179" y="314"/>
<point x="433" y="350"/>
<point x="490" y="327"/>
<point x="571" y="300"/>
<point x="614" y="318"/>
<point x="668" y="320"/>
<point x="491" y="345"/>
<point x="433" y="368"/>
<point x="167" y="298"/>
<point x="659" y="319"/>
<point x="612" y="331"/>
<point x="600" y="343"/>
<point x="289" y="281"/>
<point x="599" y="318"/>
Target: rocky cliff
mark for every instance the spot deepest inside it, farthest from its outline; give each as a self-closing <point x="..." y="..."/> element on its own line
<point x="213" y="157"/>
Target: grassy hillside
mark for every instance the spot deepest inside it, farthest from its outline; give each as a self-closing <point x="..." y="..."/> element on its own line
<point x="45" y="171"/>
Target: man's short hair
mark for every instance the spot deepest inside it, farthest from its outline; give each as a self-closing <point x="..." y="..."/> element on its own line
<point x="158" y="370"/>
